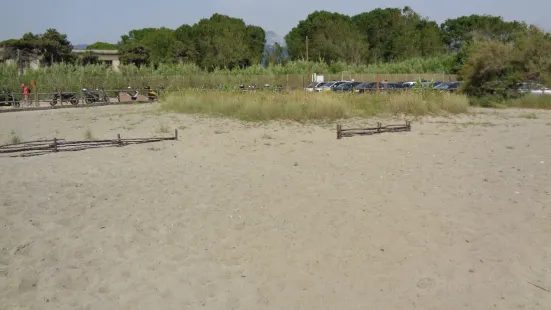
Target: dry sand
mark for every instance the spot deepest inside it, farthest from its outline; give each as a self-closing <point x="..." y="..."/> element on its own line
<point x="453" y="215"/>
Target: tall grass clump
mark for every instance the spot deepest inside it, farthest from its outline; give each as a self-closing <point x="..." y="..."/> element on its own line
<point x="304" y="106"/>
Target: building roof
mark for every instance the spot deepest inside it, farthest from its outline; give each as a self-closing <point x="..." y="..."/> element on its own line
<point x="99" y="52"/>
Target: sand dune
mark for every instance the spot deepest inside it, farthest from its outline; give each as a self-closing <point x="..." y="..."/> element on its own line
<point x="452" y="215"/>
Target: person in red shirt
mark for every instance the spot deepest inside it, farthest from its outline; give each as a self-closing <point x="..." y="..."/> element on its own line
<point x="26" y="94"/>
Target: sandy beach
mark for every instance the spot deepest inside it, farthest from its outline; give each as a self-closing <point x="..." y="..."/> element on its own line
<point x="455" y="214"/>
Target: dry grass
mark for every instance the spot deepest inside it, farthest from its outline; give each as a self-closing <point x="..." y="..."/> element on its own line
<point x="163" y="128"/>
<point x="529" y="116"/>
<point x="14" y="138"/>
<point x="304" y="106"/>
<point x="531" y="102"/>
<point x="88" y="135"/>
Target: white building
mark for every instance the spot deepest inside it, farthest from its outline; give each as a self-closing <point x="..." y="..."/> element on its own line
<point x="109" y="57"/>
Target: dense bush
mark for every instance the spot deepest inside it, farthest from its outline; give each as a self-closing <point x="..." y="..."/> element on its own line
<point x="495" y="68"/>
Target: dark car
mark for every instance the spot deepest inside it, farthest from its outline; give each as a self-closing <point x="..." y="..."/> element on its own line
<point x="397" y="84"/>
<point x="346" y="87"/>
<point x="337" y="84"/>
<point x="447" y="86"/>
<point x="7" y="98"/>
<point x="424" y="83"/>
<point x="360" y="88"/>
<point x="376" y="87"/>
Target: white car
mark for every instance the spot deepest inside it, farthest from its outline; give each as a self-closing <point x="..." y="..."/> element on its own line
<point x="327" y="86"/>
<point x="534" y="89"/>
<point x="312" y="87"/>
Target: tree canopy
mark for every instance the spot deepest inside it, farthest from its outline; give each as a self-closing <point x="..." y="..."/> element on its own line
<point x="332" y="37"/>
<point x="102" y="46"/>
<point x="217" y="42"/>
<point x="50" y="46"/>
<point x="377" y="36"/>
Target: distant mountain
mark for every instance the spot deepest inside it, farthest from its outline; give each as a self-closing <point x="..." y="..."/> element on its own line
<point x="272" y="37"/>
<point x="80" y="46"/>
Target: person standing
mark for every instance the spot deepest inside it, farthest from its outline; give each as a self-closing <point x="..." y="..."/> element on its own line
<point x="26" y="94"/>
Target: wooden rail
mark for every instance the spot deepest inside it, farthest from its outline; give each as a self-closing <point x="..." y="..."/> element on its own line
<point x="41" y="147"/>
<point x="349" y="132"/>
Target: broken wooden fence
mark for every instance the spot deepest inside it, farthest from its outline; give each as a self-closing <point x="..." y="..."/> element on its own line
<point x="41" y="147"/>
<point x="349" y="132"/>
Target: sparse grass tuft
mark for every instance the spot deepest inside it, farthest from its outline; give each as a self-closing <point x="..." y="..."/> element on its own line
<point x="529" y="116"/>
<point x="15" y="140"/>
<point x="88" y="135"/>
<point x="266" y="136"/>
<point x="303" y="106"/>
<point x="484" y="124"/>
<point x="163" y="128"/>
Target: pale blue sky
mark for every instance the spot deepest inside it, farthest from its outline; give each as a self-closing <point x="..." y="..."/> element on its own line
<point x="88" y="21"/>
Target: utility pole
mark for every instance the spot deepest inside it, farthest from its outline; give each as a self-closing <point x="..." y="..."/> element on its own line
<point x="308" y="64"/>
<point x="306" y="48"/>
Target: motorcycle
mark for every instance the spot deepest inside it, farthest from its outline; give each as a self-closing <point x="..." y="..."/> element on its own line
<point x="65" y="97"/>
<point x="275" y="88"/>
<point x="7" y="97"/>
<point x="151" y="94"/>
<point x="251" y="87"/>
<point x="95" y="96"/>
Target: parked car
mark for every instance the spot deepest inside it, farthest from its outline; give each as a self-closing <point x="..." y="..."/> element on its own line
<point x="447" y="87"/>
<point x="376" y="87"/>
<point x="397" y="85"/>
<point x="346" y="87"/>
<point x="339" y="83"/>
<point x="313" y="86"/>
<point x="326" y="86"/>
<point x="533" y="89"/>
<point x="7" y="98"/>
<point x="424" y="83"/>
<point x="360" y="88"/>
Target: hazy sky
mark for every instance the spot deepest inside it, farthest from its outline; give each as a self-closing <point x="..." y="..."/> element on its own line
<point x="86" y="21"/>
